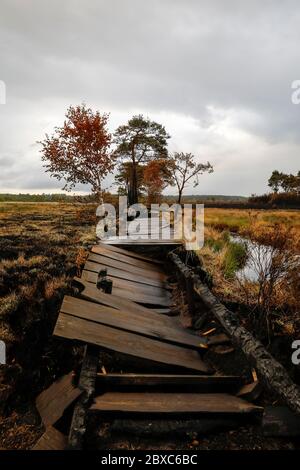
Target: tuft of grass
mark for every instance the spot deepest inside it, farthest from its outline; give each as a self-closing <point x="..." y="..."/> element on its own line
<point x="7" y="334"/>
<point x="234" y="259"/>
<point x="53" y="285"/>
<point x="9" y="305"/>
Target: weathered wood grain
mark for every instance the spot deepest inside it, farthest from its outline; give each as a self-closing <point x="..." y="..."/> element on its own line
<point x="51" y="403"/>
<point x="124" y="283"/>
<point x="153" y="324"/>
<point x="103" y="251"/>
<point x="51" y="440"/>
<point x="131" y="344"/>
<point x="127" y="253"/>
<point x="152" y="271"/>
<point x="90" y="292"/>
<point x="94" y="266"/>
<point x="173" y="403"/>
<point x="133" y="295"/>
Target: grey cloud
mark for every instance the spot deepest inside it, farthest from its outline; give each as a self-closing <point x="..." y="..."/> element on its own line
<point x="163" y="58"/>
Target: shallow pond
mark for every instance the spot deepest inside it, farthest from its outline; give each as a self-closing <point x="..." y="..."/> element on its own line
<point x="259" y="256"/>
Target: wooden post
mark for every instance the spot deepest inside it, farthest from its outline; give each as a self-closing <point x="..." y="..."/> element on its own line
<point x="87" y="382"/>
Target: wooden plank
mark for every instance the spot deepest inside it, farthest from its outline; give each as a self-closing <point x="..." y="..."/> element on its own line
<point x="173" y="403"/>
<point x="165" y="311"/>
<point x="128" y="257"/>
<point x="51" y="440"/>
<point x="127" y="253"/>
<point x="129" y="343"/>
<point x="280" y="421"/>
<point x="134" y="296"/>
<point x="152" y="325"/>
<point x="94" y="266"/>
<point x="51" y="403"/>
<point x="90" y="292"/>
<point x="128" y="284"/>
<point x="201" y="383"/>
<point x="116" y="260"/>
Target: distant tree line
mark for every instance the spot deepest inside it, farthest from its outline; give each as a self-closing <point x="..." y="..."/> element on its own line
<point x="6" y="197"/>
<point x="285" y="191"/>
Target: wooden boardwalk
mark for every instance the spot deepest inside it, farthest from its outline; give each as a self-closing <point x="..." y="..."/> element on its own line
<point x="124" y="305"/>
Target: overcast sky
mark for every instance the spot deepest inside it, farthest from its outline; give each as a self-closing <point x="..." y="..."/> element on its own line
<point x="216" y="73"/>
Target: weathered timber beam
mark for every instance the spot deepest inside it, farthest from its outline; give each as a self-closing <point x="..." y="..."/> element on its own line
<point x="273" y="375"/>
<point x="87" y="384"/>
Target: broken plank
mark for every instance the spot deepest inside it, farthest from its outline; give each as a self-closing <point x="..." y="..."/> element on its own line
<point x="173" y="403"/>
<point x="90" y="292"/>
<point x="128" y="343"/>
<point x="124" y="274"/>
<point x="127" y="253"/>
<point x="152" y="325"/>
<point x="53" y="401"/>
<point x="51" y="440"/>
<point x="138" y="297"/>
<point x="128" y="284"/>
<point x="201" y="383"/>
<point x="134" y="263"/>
<point x="151" y="272"/>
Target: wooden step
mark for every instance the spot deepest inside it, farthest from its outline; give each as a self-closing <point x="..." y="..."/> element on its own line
<point x="173" y="404"/>
<point x="188" y="383"/>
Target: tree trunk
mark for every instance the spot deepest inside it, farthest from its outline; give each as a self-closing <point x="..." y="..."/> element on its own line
<point x="179" y="196"/>
<point x="133" y="192"/>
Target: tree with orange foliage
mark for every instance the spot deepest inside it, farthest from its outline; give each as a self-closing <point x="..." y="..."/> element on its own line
<point x="79" y="151"/>
<point x="156" y="178"/>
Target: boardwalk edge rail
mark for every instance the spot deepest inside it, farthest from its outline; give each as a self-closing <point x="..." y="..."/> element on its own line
<point x="272" y="374"/>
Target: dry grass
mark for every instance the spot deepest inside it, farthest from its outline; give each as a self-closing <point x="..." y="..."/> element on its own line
<point x="240" y="220"/>
<point x="273" y="301"/>
<point x="41" y="249"/>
